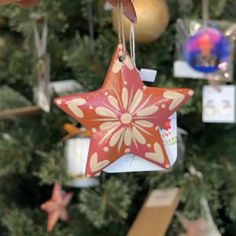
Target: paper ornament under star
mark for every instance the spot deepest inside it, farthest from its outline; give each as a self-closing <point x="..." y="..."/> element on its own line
<point x="124" y="116"/>
<point x="56" y="206"/>
<point x="128" y="7"/>
<point x="20" y="3"/>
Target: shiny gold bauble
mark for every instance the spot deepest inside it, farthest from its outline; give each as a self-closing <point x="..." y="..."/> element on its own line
<point x="152" y="16"/>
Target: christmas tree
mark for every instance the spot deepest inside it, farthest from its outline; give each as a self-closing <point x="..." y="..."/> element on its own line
<point x="32" y="158"/>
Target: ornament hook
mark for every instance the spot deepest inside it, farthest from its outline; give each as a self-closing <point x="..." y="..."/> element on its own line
<point x="121" y="30"/>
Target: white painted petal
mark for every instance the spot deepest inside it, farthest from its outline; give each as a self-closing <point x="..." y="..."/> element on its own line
<point x="148" y="111"/>
<point x="128" y="137"/>
<point x="144" y="104"/>
<point x="76" y="111"/>
<point x="138" y="136"/>
<point x="176" y="98"/>
<point x="96" y="165"/>
<point x="113" y="101"/>
<point x="73" y="106"/>
<point x="136" y="101"/>
<point x="156" y="156"/>
<point x="115" y="137"/>
<point x="116" y="67"/>
<point x="80" y="101"/>
<point x="144" y="123"/>
<point x="108" y="125"/>
<point x="121" y="140"/>
<point x="104" y="112"/>
<point x="125" y="97"/>
<point x="108" y="134"/>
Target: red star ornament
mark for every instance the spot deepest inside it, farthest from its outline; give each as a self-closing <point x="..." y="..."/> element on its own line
<point x="124" y="116"/>
<point x="20" y="3"/>
<point x="56" y="206"/>
<point x="128" y="6"/>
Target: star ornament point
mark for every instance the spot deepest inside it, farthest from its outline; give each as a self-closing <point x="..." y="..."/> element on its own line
<point x="124" y="116"/>
<point x="56" y="206"/>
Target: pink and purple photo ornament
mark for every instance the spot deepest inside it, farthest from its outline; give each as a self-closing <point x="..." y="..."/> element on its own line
<point x="206" y="50"/>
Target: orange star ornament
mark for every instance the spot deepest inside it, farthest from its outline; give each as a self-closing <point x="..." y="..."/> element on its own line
<point x="20" y="3"/>
<point x="56" y="206"/>
<point x="129" y="10"/>
<point x="124" y="116"/>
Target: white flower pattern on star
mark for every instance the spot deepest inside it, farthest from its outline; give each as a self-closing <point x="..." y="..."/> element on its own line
<point x="126" y="118"/>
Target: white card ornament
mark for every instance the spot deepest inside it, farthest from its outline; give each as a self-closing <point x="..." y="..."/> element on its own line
<point x="76" y="155"/>
<point x="182" y="69"/>
<point x="132" y="163"/>
<point x="65" y="87"/>
<point x="148" y="75"/>
<point x="219" y="104"/>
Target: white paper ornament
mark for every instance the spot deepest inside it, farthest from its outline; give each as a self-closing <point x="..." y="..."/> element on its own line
<point x="218" y="104"/>
<point x="76" y="155"/>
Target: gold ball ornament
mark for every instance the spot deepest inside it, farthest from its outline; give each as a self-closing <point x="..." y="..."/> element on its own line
<point x="152" y="20"/>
